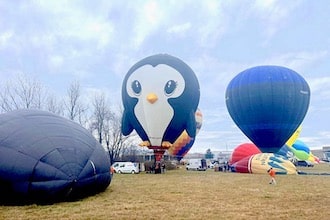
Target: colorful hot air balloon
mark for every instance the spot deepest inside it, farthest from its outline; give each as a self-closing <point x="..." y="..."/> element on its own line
<point x="300" y="150"/>
<point x="263" y="101"/>
<point x="160" y="95"/>
<point x="260" y="163"/>
<point x="243" y="151"/>
<point x="184" y="142"/>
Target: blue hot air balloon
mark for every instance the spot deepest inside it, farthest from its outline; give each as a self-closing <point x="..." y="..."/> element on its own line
<point x="268" y="103"/>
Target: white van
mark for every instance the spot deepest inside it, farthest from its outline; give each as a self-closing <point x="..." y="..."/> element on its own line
<point x="196" y="164"/>
<point x="126" y="167"/>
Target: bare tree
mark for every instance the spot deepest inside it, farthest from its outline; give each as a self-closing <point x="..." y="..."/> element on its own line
<point x="133" y="154"/>
<point x="115" y="141"/>
<point x="22" y="93"/>
<point x="107" y="126"/>
<point x="101" y="113"/>
<point x="54" y="105"/>
<point x="74" y="106"/>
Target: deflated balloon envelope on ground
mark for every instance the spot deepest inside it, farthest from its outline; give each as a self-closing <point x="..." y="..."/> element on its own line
<point x="247" y="158"/>
<point x="260" y="163"/>
<point x="268" y="103"/>
<point x="160" y="96"/>
<point x="47" y="158"/>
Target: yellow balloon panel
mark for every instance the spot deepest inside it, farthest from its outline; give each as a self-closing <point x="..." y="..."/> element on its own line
<point x="260" y="163"/>
<point x="294" y="137"/>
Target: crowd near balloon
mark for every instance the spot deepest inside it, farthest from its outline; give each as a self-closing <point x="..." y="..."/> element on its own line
<point x="44" y="157"/>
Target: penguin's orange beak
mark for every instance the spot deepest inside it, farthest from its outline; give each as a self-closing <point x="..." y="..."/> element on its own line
<point x="152" y="98"/>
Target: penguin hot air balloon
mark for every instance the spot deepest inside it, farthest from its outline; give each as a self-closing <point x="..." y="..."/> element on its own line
<point x="268" y="103"/>
<point x="160" y="96"/>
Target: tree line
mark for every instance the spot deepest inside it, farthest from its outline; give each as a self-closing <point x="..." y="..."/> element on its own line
<point x="94" y="114"/>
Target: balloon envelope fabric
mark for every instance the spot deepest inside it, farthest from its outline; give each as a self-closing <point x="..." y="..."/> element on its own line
<point x="47" y="158"/>
<point x="160" y="96"/>
<point x="268" y="103"/>
<point x="260" y="163"/>
<point x="184" y="142"/>
<point x="242" y="151"/>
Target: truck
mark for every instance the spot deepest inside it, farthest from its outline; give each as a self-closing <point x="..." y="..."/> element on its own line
<point x="196" y="164"/>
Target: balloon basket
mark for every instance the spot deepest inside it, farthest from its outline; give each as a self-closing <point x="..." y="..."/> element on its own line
<point x="158" y="154"/>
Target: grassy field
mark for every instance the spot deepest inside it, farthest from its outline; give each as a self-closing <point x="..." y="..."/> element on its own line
<point x="181" y="194"/>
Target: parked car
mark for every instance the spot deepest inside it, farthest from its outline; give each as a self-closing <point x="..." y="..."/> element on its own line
<point x="304" y="163"/>
<point x="126" y="167"/>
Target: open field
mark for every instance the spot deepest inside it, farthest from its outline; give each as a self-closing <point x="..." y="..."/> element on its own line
<point x="181" y="194"/>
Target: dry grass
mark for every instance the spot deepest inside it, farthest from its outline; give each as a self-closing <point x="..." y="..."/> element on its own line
<point x="184" y="194"/>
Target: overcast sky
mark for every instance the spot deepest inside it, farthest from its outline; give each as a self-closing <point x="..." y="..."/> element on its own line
<point x="96" y="42"/>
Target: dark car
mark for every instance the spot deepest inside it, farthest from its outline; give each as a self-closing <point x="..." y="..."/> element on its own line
<point x="304" y="163"/>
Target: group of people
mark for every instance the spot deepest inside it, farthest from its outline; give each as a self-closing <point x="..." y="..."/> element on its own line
<point x="159" y="168"/>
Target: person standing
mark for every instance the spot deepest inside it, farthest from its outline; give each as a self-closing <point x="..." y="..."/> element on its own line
<point x="112" y="170"/>
<point x="271" y="173"/>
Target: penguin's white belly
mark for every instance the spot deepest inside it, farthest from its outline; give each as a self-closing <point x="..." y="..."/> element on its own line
<point x="154" y="119"/>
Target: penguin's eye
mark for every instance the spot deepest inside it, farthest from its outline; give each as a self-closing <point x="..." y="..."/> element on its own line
<point x="170" y="87"/>
<point x="136" y="86"/>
